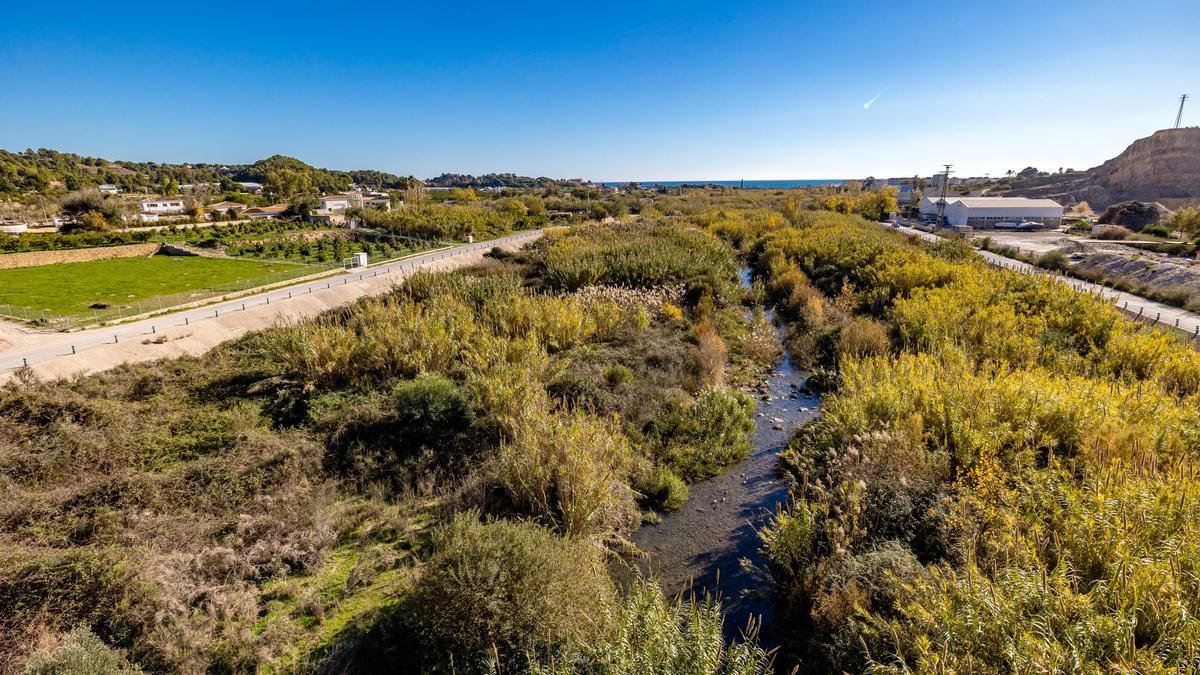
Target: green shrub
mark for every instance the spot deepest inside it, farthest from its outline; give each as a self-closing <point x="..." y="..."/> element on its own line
<point x="430" y="409"/>
<point x="422" y="429"/>
<point x="581" y="390"/>
<point x="618" y="374"/>
<point x="80" y="653"/>
<point x="1055" y="261"/>
<point x="508" y="591"/>
<point x="638" y="256"/>
<point x="654" y="635"/>
<point x="661" y="488"/>
<point x="702" y="436"/>
<point x="1186" y="220"/>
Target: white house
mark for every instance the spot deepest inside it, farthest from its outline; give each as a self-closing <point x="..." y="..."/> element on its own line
<point x="355" y="199"/>
<point x="109" y="189"/>
<point x="252" y="188"/>
<point x="162" y="206"/>
<point x="336" y="202"/>
<point x="992" y="212"/>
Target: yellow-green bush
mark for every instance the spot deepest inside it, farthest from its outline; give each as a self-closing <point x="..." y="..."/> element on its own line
<point x="572" y="468"/>
<point x="1029" y="453"/>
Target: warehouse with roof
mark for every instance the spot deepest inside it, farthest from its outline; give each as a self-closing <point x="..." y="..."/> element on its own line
<point x="986" y="213"/>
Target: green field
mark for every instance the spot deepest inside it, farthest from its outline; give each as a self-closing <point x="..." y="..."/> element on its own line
<point x="71" y="289"/>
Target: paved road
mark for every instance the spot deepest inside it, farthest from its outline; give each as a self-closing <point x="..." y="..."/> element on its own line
<point x="1135" y="305"/>
<point x="299" y="299"/>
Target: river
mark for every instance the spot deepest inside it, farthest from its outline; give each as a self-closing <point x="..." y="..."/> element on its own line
<point x="701" y="546"/>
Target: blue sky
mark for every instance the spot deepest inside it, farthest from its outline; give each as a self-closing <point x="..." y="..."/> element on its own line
<point x="607" y="91"/>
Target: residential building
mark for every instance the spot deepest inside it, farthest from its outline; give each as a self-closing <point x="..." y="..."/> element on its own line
<point x="993" y="212"/>
<point x="109" y="189"/>
<point x="163" y="206"/>
<point x="328" y="217"/>
<point x="906" y="193"/>
<point x="224" y="207"/>
<point x="355" y="199"/>
<point x="265" y="212"/>
<point x="334" y="203"/>
<point x="252" y="188"/>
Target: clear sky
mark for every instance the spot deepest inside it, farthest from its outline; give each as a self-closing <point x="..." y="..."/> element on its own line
<point x="606" y="91"/>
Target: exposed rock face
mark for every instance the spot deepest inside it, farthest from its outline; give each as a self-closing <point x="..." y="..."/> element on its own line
<point x="1131" y="214"/>
<point x="1163" y="167"/>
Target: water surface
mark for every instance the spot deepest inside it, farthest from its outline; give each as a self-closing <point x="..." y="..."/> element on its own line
<point x="700" y="548"/>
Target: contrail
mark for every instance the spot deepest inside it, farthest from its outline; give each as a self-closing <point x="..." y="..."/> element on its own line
<point x="868" y="104"/>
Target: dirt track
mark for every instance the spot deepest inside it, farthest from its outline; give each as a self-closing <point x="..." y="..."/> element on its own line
<point x="49" y="355"/>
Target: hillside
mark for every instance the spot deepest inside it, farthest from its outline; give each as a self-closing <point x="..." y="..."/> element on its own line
<point x="51" y="173"/>
<point x="457" y="180"/>
<point x="1163" y="167"/>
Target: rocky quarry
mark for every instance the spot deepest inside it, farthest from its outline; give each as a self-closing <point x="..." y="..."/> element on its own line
<point x="1164" y="167"/>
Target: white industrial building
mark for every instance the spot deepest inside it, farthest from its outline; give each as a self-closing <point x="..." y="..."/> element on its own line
<point x="993" y="212"/>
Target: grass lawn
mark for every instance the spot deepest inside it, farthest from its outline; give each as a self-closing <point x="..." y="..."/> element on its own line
<point x="72" y="288"/>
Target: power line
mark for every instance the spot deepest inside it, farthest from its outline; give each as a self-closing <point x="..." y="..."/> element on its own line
<point x="1179" y="118"/>
<point x="942" y="198"/>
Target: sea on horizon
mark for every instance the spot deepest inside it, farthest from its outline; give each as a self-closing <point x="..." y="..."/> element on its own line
<point x="759" y="184"/>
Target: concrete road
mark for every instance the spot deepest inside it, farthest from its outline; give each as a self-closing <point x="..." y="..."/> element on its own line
<point x="194" y="331"/>
<point x="1134" y="305"/>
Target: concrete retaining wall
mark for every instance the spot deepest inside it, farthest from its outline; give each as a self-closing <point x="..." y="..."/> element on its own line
<point x="9" y="261"/>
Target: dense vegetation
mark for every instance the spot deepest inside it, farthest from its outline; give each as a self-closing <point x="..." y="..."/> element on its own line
<point x="49" y="171"/>
<point x="45" y="171"/>
<point x="1002" y="481"/>
<point x="438" y="479"/>
<point x="333" y="248"/>
<point x="444" y="478"/>
<point x="483" y="221"/>
<point x="55" y="242"/>
<point x="496" y="180"/>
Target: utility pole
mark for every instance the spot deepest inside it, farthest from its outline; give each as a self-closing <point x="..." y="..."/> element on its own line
<point x="1179" y="118"/>
<point x="941" y="204"/>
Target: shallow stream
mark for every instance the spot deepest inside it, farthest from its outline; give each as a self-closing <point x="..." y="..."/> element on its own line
<point x="700" y="547"/>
